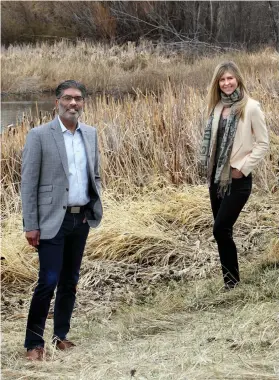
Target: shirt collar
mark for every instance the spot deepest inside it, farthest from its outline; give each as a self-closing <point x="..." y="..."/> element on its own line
<point x="63" y="128"/>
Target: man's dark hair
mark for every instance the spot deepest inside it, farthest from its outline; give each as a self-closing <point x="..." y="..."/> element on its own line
<point x="70" y="84"/>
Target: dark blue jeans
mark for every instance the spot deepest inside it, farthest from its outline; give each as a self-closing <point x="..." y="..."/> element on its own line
<point x="60" y="260"/>
<point x="226" y="211"/>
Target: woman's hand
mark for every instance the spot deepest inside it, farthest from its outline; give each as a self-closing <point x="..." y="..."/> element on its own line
<point x="236" y="174"/>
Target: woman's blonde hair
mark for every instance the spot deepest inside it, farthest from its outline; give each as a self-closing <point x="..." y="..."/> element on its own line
<point x="214" y="92"/>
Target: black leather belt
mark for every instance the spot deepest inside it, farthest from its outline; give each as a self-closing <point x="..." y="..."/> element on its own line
<point x="75" y="209"/>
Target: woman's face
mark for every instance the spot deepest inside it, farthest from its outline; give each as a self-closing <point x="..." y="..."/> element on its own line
<point x="228" y="83"/>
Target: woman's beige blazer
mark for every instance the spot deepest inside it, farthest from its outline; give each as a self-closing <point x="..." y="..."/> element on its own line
<point x="251" y="139"/>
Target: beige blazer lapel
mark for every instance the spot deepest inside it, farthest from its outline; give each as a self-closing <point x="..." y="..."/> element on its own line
<point x="238" y="140"/>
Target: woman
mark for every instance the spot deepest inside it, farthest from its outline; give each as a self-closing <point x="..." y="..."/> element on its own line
<point x="235" y="140"/>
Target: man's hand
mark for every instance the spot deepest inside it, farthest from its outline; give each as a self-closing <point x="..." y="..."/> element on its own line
<point x="33" y="237"/>
<point x="236" y="174"/>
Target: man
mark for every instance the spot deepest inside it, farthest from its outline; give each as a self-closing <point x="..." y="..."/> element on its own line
<point x="60" y="199"/>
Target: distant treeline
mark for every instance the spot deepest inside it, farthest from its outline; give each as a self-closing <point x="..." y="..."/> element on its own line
<point x="224" y="23"/>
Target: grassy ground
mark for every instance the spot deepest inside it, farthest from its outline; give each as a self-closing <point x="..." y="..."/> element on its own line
<point x="150" y="299"/>
<point x="191" y="330"/>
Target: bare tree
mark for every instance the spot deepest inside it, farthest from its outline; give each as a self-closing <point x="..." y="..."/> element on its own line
<point x="274" y="8"/>
<point x="215" y="24"/>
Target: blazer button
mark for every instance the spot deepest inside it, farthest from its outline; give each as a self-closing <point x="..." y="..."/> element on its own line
<point x="64" y="207"/>
<point x="67" y="189"/>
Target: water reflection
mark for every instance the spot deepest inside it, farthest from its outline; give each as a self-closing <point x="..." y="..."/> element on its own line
<point x="13" y="108"/>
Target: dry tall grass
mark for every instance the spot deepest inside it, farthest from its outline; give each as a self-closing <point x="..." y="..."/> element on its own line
<point x="157" y="135"/>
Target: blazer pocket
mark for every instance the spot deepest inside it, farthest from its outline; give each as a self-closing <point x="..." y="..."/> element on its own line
<point x="44" y="200"/>
<point x="44" y="188"/>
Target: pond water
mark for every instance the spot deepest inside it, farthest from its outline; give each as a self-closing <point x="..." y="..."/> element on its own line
<point x="14" y="107"/>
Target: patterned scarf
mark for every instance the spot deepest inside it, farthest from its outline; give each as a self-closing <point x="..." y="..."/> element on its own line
<point x="223" y="175"/>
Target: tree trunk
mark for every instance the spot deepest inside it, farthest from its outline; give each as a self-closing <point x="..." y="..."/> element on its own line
<point x="275" y="21"/>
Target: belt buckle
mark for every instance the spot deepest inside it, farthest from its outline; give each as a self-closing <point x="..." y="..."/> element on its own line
<point x="75" y="210"/>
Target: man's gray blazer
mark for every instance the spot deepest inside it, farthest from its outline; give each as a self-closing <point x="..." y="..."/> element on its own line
<point x="45" y="184"/>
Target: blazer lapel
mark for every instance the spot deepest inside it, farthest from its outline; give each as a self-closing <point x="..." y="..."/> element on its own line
<point x="90" y="157"/>
<point x="238" y="140"/>
<point x="87" y="146"/>
<point x="59" y="139"/>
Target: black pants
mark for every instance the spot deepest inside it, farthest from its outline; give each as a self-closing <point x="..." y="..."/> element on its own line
<point x="226" y="211"/>
<point x="60" y="260"/>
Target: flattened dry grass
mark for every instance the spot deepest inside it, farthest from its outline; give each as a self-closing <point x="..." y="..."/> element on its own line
<point x="272" y="253"/>
<point x="167" y="228"/>
<point x="146" y="228"/>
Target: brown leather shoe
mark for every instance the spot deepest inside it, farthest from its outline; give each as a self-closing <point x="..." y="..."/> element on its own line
<point x="64" y="344"/>
<point x="37" y="353"/>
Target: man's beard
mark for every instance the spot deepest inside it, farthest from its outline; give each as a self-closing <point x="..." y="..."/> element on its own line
<point x="63" y="112"/>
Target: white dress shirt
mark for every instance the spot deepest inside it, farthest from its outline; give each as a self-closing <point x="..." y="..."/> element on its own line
<point x="77" y="163"/>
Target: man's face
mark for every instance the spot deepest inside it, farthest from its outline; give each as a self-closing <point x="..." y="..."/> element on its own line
<point x="70" y="104"/>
